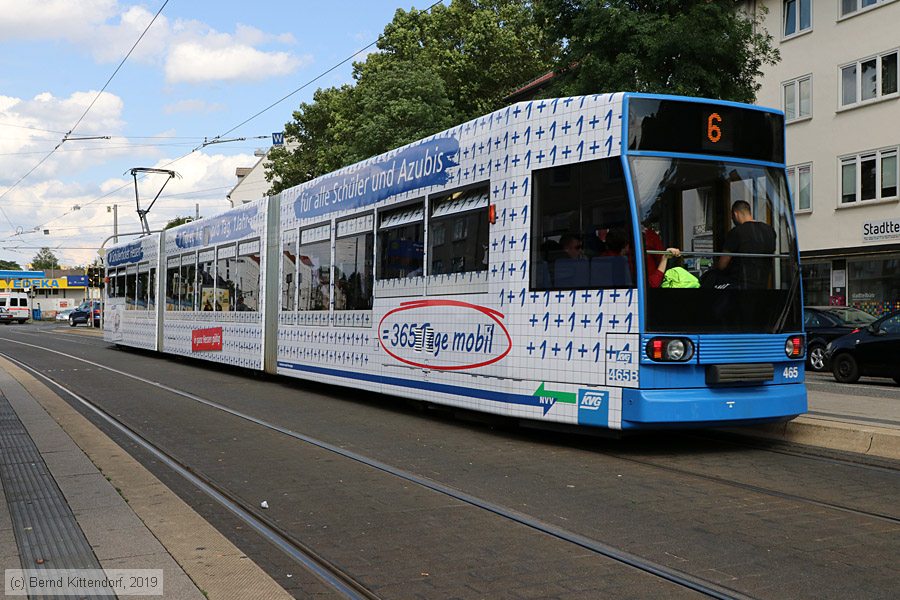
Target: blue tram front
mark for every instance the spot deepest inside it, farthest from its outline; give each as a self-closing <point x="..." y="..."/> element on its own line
<point x="732" y="349"/>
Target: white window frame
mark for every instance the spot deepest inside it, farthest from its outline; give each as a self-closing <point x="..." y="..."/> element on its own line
<point x="859" y="9"/>
<point x="796" y="93"/>
<point x="879" y="95"/>
<point x="793" y="175"/>
<point x="856" y="160"/>
<point x="797" y="29"/>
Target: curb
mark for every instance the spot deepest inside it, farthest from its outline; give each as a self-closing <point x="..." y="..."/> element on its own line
<point x="869" y="440"/>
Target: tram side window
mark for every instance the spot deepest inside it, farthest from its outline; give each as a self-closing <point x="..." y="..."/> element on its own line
<point x="353" y="268"/>
<point x="401" y="242"/>
<point x="130" y="287"/>
<point x="581" y="227"/>
<point x="188" y="281"/>
<point x="314" y="269"/>
<point x="173" y="276"/>
<point x="246" y="277"/>
<point x="120" y="282"/>
<point x="206" y="279"/>
<point x="151" y="289"/>
<point x="142" y="286"/>
<point x="458" y="232"/>
<point x="225" y="259"/>
<point x="289" y="271"/>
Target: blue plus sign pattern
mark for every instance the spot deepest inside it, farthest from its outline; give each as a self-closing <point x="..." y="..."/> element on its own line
<point x="566" y="340"/>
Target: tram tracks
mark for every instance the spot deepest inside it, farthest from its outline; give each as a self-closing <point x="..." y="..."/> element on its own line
<point x="331" y="574"/>
<point x="674" y="576"/>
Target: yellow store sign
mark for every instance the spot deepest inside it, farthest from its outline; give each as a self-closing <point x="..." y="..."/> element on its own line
<point x="60" y="283"/>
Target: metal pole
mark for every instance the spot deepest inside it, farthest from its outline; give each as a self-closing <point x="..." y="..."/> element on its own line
<point x="115" y="223"/>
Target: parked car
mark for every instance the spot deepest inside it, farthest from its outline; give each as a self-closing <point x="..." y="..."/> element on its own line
<point x="63" y="315"/>
<point x="872" y="350"/>
<point x="80" y="314"/>
<point x="6" y="317"/>
<point x="825" y="323"/>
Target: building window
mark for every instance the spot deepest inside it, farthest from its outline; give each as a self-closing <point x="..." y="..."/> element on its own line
<point x="797" y="16"/>
<point x="869" y="79"/>
<point x="798" y="99"/>
<point x="849" y="7"/>
<point x="800" y="180"/>
<point x="869" y="176"/>
<point x="874" y="284"/>
<point x="816" y="282"/>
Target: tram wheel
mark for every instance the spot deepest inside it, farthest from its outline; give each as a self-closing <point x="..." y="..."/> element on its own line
<point x="845" y="369"/>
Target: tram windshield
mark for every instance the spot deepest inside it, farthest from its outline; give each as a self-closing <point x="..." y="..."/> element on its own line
<point x="733" y="225"/>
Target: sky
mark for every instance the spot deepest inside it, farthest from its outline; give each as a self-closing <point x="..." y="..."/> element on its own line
<point x="202" y="68"/>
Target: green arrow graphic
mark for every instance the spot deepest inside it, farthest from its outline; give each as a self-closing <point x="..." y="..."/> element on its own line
<point x="564" y="397"/>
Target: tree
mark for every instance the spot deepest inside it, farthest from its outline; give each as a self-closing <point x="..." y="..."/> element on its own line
<point x="690" y="47"/>
<point x="9" y="265"/>
<point x="178" y="221"/>
<point x="402" y="102"/>
<point x="45" y="260"/>
<point x="434" y="69"/>
<point x="317" y="140"/>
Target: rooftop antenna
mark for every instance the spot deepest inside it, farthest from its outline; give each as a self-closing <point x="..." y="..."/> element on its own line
<point x="142" y="213"/>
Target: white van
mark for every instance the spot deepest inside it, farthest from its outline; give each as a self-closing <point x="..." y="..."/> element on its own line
<point x="17" y="303"/>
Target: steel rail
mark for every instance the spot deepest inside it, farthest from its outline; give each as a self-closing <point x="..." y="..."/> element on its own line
<point x="685" y="580"/>
<point x="328" y="573"/>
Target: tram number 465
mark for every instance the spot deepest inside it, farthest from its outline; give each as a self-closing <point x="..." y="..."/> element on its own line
<point x="791" y="372"/>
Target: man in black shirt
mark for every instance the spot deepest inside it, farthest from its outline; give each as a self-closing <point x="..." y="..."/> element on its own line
<point x="747" y="237"/>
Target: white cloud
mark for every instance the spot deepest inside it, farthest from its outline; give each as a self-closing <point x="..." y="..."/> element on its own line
<point x="190" y="50"/>
<point x="193" y="62"/>
<point x="52" y="19"/>
<point x="30" y="128"/>
<point x="75" y="235"/>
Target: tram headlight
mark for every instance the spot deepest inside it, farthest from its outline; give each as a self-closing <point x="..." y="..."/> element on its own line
<point x="793" y="346"/>
<point x="675" y="350"/>
<point x="670" y="349"/>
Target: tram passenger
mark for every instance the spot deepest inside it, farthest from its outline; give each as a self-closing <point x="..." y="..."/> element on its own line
<point x="751" y="237"/>
<point x="572" y="246"/>
<point x="241" y="305"/>
<point x="618" y="243"/>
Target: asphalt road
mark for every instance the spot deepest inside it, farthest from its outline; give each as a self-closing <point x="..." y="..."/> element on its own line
<point x="760" y="521"/>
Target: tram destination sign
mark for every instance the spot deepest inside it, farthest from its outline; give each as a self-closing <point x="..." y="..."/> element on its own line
<point x="725" y="129"/>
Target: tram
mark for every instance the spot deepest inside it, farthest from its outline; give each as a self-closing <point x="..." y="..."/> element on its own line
<point x="568" y="260"/>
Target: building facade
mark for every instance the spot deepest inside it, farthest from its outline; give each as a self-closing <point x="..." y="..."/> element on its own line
<point x="837" y="83"/>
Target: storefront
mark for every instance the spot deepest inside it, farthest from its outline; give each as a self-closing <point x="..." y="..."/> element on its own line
<point x="50" y="294"/>
<point x="867" y="278"/>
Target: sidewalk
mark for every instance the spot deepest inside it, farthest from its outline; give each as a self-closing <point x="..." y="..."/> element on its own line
<point x="58" y="510"/>
<point x="865" y="424"/>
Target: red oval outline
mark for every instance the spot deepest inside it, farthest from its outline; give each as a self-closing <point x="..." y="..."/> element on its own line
<point x="495" y="315"/>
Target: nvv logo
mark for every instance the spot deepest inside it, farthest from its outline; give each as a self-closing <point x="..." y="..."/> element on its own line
<point x="591" y="399"/>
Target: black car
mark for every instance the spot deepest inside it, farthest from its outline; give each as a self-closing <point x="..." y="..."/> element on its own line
<point x="6" y="317"/>
<point x="826" y="323"/>
<point x="872" y="350"/>
<point x="80" y="314"/>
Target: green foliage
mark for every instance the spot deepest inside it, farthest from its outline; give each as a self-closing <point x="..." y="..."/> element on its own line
<point x="317" y="137"/>
<point x="691" y="47"/>
<point x="9" y="265"/>
<point x="45" y="259"/>
<point x="178" y="221"/>
<point x="433" y="70"/>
